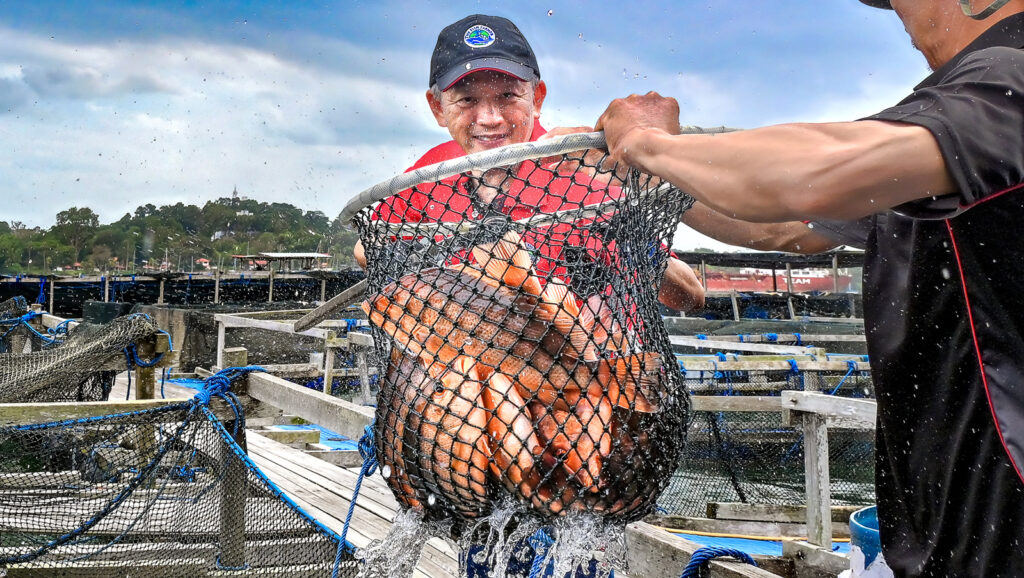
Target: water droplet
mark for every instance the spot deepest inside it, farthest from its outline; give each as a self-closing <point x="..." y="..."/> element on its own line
<point x="386" y="471"/>
<point x="431" y="500"/>
<point x="1009" y="93"/>
<point x="945" y="273"/>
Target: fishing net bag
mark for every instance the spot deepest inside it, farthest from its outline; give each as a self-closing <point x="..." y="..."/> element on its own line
<point x="512" y="296"/>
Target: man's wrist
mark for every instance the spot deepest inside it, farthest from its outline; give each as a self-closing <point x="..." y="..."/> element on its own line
<point x="636" y="145"/>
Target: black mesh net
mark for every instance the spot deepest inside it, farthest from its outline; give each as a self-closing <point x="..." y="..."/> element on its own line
<point x="515" y="311"/>
<point x="13" y="307"/>
<point x="163" y="492"/>
<point x="72" y="367"/>
<point x="758" y="457"/>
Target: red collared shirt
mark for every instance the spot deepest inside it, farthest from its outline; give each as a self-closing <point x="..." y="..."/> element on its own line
<point x="536" y="190"/>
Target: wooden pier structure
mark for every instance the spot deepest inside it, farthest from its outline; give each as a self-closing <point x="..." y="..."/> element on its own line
<point x="324" y="489"/>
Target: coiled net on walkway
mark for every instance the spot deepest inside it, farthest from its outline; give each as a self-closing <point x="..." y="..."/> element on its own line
<point x="13" y="307"/>
<point x="162" y="492"/>
<point x="72" y="367"/>
<point x="513" y="295"/>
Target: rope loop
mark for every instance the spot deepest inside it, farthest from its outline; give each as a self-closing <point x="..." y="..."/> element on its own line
<point x="540" y="541"/>
<point x="773" y="337"/>
<point x="219" y="384"/>
<point x="702" y="556"/>
<point x="793" y="368"/>
<point x="367" y="450"/>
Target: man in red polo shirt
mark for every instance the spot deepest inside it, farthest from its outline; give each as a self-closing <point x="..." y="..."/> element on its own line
<point x="485" y="88"/>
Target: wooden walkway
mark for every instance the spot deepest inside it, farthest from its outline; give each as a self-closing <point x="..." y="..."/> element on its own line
<point x="325" y="490"/>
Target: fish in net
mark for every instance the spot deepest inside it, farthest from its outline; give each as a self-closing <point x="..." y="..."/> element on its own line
<point x="524" y="353"/>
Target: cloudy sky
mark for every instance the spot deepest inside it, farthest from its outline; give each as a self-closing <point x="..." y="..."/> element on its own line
<point x="114" y="104"/>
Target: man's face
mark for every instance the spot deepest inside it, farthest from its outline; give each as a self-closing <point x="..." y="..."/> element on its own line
<point x="488" y="109"/>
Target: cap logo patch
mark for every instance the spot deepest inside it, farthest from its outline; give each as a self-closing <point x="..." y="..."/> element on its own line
<point x="479" y="36"/>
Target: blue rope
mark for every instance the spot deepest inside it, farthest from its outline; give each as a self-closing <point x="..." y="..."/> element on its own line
<point x="41" y="299"/>
<point x="771" y="336"/>
<point x="540" y="542"/>
<point x="704" y="555"/>
<point x="799" y="340"/>
<point x="367" y="452"/>
<point x="852" y="365"/>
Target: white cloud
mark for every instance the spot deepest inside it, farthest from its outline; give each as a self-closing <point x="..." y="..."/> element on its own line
<point x="116" y="125"/>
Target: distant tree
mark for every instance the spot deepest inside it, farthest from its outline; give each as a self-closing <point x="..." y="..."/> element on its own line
<point x="75" y="225"/>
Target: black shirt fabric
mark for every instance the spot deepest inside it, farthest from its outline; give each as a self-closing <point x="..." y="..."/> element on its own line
<point x="944" y="314"/>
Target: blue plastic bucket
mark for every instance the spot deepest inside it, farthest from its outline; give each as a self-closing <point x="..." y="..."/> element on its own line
<point x="864" y="533"/>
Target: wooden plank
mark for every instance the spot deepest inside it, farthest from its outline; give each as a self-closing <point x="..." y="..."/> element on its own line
<point x="333" y="479"/>
<point x="705" y="364"/>
<point x="339" y="301"/>
<point x="229" y="320"/>
<point x="761" y="528"/>
<point x="22" y="481"/>
<point x="337" y="415"/>
<point x="166" y="568"/>
<point x="816" y="479"/>
<point x="773" y="512"/>
<point x="812" y="560"/>
<point x="52" y="321"/>
<point x="855" y="411"/>
<point x="292" y="436"/>
<point x="712" y="343"/>
<point x="735" y="403"/>
<point x="293" y="369"/>
<point x="325" y="490"/>
<point x="655" y="553"/>
<point x="783" y="338"/>
<point x="15" y="414"/>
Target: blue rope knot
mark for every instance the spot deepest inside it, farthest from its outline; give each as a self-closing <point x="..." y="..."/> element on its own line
<point x="799" y="340"/>
<point x="219" y="384"/>
<point x="702" y="556"/>
<point x="367" y="450"/>
<point x="771" y="336"/>
<point x="702" y="336"/>
<point x="793" y="366"/>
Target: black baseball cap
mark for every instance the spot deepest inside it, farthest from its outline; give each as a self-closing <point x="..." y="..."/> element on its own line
<point x="878" y="3"/>
<point x="480" y="42"/>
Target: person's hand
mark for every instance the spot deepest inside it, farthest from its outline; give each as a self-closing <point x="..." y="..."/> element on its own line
<point x="587" y="161"/>
<point x="626" y="115"/>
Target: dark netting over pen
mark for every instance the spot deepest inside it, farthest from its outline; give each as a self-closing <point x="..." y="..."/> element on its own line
<point x="75" y="366"/>
<point x="756" y="457"/>
<point x="13" y="307"/>
<point x="513" y="296"/>
<point x="162" y="492"/>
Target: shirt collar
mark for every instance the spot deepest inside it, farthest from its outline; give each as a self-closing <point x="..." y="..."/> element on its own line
<point x="1007" y="32"/>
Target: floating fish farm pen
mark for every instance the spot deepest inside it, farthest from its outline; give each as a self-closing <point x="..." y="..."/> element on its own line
<point x="493" y="403"/>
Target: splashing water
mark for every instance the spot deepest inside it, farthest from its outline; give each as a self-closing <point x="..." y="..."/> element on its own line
<point x="396" y="555"/>
<point x="497" y="542"/>
<point x="578" y="536"/>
